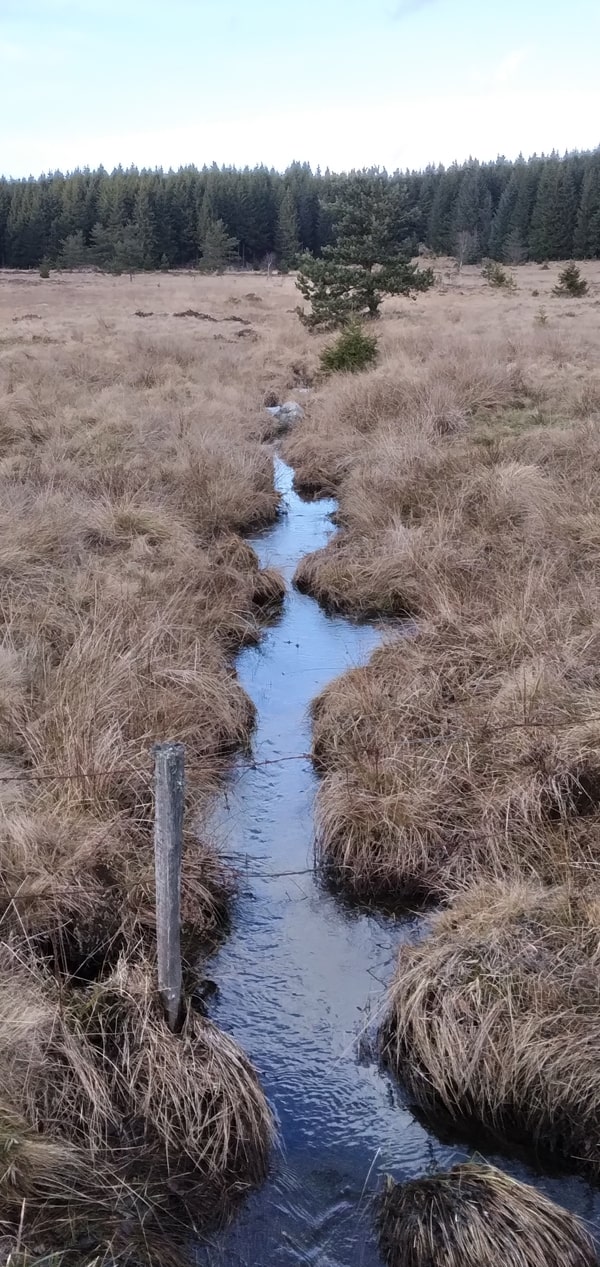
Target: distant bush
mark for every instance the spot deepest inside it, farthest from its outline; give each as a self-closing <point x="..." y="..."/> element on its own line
<point x="541" y="317"/>
<point x="497" y="276"/>
<point x="353" y="350"/>
<point x="45" y="270"/>
<point x="570" y="282"/>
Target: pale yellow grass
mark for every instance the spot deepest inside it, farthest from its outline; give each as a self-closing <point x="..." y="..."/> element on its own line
<point x="130" y="460"/>
<point x="493" y="1019"/>
<point x="476" y="1216"/>
<point x="462" y="763"/>
<point x="132" y="457"/>
<point x="467" y="465"/>
<point x="110" y="1124"/>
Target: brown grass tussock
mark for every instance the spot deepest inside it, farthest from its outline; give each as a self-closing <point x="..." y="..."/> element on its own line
<point x="476" y="1216"/>
<point x="493" y="1019"/>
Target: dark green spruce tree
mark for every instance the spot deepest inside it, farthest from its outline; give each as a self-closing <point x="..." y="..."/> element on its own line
<point x="472" y="215"/>
<point x="554" y="215"/>
<point x="287" y="241"/>
<point x="366" y="261"/>
<point x="73" y="251"/>
<point x="548" y="207"/>
<point x="218" y="247"/>
<point x="441" y="230"/>
<point x="501" y="223"/>
<point x="587" y="232"/>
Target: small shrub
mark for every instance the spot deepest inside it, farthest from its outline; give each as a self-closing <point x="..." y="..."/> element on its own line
<point x="535" y="293"/>
<point x="352" y="351"/>
<point x="495" y="275"/>
<point x="44" y="270"/>
<point x="570" y="282"/>
<point x="541" y="317"/>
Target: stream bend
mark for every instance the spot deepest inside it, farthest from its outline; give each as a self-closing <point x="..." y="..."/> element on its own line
<point x="302" y="975"/>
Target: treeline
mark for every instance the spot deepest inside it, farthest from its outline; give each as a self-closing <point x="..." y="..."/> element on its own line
<point x="542" y="208"/>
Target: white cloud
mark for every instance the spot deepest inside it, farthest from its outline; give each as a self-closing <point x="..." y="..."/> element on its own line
<point x="508" y="68"/>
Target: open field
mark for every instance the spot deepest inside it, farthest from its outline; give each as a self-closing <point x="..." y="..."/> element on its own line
<point x="131" y="460"/>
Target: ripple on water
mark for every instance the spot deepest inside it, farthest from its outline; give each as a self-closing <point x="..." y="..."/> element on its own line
<point x="302" y="975"/>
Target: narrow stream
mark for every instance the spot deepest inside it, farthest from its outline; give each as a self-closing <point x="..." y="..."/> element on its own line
<point x="302" y="975"/>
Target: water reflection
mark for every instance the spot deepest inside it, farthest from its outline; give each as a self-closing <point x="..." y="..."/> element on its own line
<point x="302" y="976"/>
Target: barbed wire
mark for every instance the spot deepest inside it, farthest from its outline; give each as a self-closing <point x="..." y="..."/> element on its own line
<point x="131" y="771"/>
<point x="214" y="764"/>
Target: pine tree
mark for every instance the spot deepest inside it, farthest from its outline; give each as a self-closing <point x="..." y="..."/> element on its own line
<point x="501" y="223"/>
<point x="514" y="250"/>
<point x="218" y="247"/>
<point x="208" y="211"/>
<point x="5" y="200"/>
<point x="587" y="232"/>
<point x="300" y="179"/>
<point x="287" y="243"/>
<point x="184" y="205"/>
<point x="102" y="246"/>
<point x="554" y="215"/>
<point x="130" y="251"/>
<point x="549" y="205"/>
<point x="366" y="262"/>
<point x="473" y="213"/>
<point x="73" y="251"/>
<point x="144" y="222"/>
<point x="570" y="282"/>
<point x="422" y="196"/>
<point x="442" y="228"/>
<point x="528" y="176"/>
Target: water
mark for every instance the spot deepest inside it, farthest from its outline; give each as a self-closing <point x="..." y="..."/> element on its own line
<point x="302" y="976"/>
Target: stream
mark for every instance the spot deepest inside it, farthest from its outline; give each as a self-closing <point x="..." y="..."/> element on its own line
<point x="302" y="976"/>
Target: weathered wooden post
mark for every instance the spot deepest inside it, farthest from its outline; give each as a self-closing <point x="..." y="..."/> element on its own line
<point x="169" y="773"/>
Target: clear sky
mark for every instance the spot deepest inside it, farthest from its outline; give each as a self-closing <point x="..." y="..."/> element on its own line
<point x="343" y="83"/>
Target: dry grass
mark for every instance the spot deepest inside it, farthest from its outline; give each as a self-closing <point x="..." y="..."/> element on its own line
<point x="108" y="1121"/>
<point x="494" y="1019"/>
<point x="475" y="1216"/>
<point x="131" y="460"/>
<point x="470" y="749"/>
<point x="462" y="763"/>
<point x="466" y="466"/>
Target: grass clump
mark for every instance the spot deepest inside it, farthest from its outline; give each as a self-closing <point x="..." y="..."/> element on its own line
<point x="570" y="282"/>
<point x="352" y="351"/>
<point x="476" y="1216"/>
<point x="464" y="751"/>
<point x="479" y="1011"/>
<point x="112" y="1127"/>
<point x="166" y="1087"/>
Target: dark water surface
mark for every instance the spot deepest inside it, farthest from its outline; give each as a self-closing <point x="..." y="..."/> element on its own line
<point x="302" y="977"/>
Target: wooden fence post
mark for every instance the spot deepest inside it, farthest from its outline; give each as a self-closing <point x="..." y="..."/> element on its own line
<point x="169" y="768"/>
